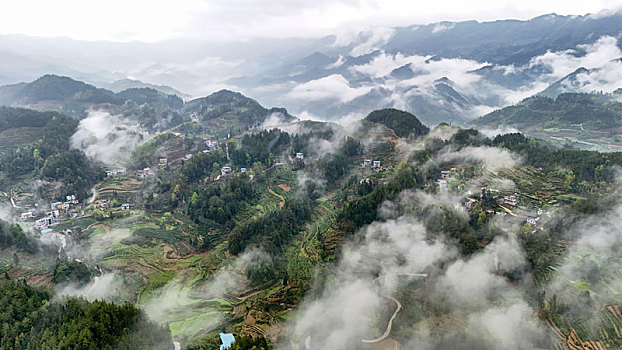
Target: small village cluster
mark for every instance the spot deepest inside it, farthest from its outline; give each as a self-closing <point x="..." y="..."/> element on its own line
<point x="509" y="203"/>
<point x="54" y="213"/>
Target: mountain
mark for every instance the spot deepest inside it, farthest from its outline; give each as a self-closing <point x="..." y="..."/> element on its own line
<point x="124" y="84"/>
<point x="604" y="78"/>
<point x="587" y="120"/>
<point x="52" y="92"/>
<point x="228" y="111"/>
<point x="491" y="64"/>
<point x="75" y="98"/>
<point x="488" y="65"/>
<point x="153" y="97"/>
<point x="503" y="42"/>
<point x="404" y="124"/>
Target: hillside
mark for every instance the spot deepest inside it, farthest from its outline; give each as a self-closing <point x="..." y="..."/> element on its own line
<point x="20" y="127"/>
<point x="52" y="92"/>
<point x="587" y="120"/>
<point x="75" y="98"/>
<point x="153" y="97"/>
<point x="226" y="111"/>
<point x="125" y="84"/>
<point x="241" y="233"/>
<point x="404" y="124"/>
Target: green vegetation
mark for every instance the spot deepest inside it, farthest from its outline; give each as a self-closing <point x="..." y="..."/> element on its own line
<point x="584" y="120"/>
<point x="14" y="236"/>
<point x="72" y="271"/>
<point x="30" y="320"/>
<point x="147" y="154"/>
<point x="52" y="157"/>
<point x="404" y="124"/>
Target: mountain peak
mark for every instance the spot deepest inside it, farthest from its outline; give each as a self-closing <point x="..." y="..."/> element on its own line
<point x="404" y="124"/>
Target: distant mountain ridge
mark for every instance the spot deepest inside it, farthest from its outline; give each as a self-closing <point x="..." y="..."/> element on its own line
<point x="125" y="84"/>
<point x="73" y="97"/>
<point x="485" y="64"/>
<point x="504" y="41"/>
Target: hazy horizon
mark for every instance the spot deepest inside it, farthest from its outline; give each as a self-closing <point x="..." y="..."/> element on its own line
<point x="226" y="21"/>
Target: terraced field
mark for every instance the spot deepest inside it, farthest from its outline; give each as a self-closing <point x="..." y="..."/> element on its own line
<point x="14" y="138"/>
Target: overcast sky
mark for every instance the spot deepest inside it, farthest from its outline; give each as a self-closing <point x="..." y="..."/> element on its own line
<point x="226" y="20"/>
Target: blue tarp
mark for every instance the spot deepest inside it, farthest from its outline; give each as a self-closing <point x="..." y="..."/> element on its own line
<point x="227" y="340"/>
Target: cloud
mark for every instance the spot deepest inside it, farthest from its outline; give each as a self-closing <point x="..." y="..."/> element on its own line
<point x="492" y="158"/>
<point x="181" y="299"/>
<point x="588" y="56"/>
<point x="498" y="131"/>
<point x="442" y="27"/>
<point x="104" y="287"/>
<point x="274" y="119"/>
<point x="370" y="39"/>
<point x="346" y="309"/>
<point x="105" y="137"/>
<point x="333" y="87"/>
<point x="385" y="257"/>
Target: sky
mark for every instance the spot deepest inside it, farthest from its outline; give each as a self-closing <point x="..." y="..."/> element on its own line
<point x="235" y="20"/>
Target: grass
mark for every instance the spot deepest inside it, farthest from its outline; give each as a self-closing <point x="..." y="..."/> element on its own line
<point x="191" y="326"/>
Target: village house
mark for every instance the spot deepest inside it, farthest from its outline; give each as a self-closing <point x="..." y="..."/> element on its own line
<point x="163" y="162"/>
<point x="27" y="215"/>
<point x="442" y="185"/>
<point x="116" y="172"/>
<point x="72" y="199"/>
<point x="146" y="172"/>
<point x="300" y="156"/>
<point x="103" y="204"/>
<point x="375" y="164"/>
<point x="54" y="213"/>
<point x="57" y="205"/>
<point x="225" y="171"/>
<point x="445" y="174"/>
<point x="366" y="181"/>
<point x="126" y="206"/>
<point x="188" y="156"/>
<point x="243" y="170"/>
<point x="511" y="200"/>
<point x="211" y="145"/>
<point x="469" y="204"/>
<point x="45" y="222"/>
<point x="366" y="163"/>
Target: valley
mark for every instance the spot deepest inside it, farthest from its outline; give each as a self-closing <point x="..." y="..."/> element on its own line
<point x="454" y="185"/>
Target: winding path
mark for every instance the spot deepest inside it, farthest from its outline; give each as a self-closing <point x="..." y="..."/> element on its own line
<point x="398" y="307"/>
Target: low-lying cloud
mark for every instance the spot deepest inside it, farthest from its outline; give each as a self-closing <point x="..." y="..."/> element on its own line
<point x="106" y="138"/>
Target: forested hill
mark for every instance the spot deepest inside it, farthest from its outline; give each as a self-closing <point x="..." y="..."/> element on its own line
<point x="226" y="109"/>
<point x="30" y="320"/>
<point x="74" y="98"/>
<point x="22" y="117"/>
<point x="591" y="119"/>
<point x="51" y="92"/>
<point x="402" y="123"/>
<point x="49" y="154"/>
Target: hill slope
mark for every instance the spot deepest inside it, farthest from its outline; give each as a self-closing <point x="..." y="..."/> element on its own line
<point x="225" y="110"/>
<point x="591" y="120"/>
<point x="402" y="123"/>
